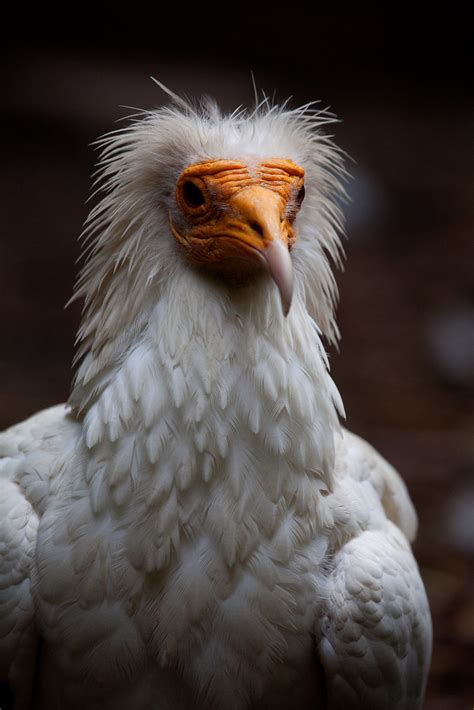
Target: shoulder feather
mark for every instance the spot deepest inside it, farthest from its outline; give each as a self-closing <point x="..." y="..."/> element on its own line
<point x="359" y="461"/>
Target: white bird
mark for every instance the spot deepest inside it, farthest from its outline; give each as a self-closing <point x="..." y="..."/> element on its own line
<point x="195" y="529"/>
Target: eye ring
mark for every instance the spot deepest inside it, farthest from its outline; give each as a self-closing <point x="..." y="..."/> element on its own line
<point x="192" y="194"/>
<point x="300" y="195"/>
<point x="296" y="202"/>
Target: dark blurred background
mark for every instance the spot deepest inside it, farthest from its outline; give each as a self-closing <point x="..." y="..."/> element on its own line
<point x="400" y="82"/>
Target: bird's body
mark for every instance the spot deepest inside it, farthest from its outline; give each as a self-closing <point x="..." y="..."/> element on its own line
<point x="196" y="530"/>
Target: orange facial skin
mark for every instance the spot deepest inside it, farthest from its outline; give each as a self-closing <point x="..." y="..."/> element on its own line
<point x="237" y="220"/>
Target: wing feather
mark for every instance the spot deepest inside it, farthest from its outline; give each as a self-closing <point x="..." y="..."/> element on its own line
<point x="374" y="635"/>
<point x="18" y="528"/>
<point x="374" y="627"/>
<point x="28" y="458"/>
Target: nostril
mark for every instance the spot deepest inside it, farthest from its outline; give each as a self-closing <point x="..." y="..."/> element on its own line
<point x="256" y="228"/>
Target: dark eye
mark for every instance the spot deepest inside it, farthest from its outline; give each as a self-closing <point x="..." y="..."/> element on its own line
<point x="300" y="196"/>
<point x="193" y="195"/>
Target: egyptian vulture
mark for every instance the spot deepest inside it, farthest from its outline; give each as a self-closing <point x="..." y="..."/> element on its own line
<point x="195" y="529"/>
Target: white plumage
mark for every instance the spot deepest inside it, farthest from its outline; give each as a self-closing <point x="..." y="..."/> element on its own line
<point x="195" y="529"/>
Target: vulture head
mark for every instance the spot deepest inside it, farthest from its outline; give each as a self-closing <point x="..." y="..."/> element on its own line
<point x="234" y="213"/>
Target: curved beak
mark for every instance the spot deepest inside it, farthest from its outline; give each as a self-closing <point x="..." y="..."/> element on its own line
<point x="277" y="260"/>
<point x="258" y="224"/>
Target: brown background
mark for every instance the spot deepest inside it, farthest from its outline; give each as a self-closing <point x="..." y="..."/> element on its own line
<point x="400" y="84"/>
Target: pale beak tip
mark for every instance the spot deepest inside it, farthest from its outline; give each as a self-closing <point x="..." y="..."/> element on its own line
<point x="280" y="266"/>
<point x="286" y="305"/>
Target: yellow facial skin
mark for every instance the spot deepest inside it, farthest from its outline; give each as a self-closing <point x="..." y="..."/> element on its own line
<point x="238" y="221"/>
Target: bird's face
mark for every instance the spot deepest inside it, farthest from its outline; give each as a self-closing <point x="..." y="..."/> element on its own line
<point x="234" y="219"/>
<point x="226" y="193"/>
